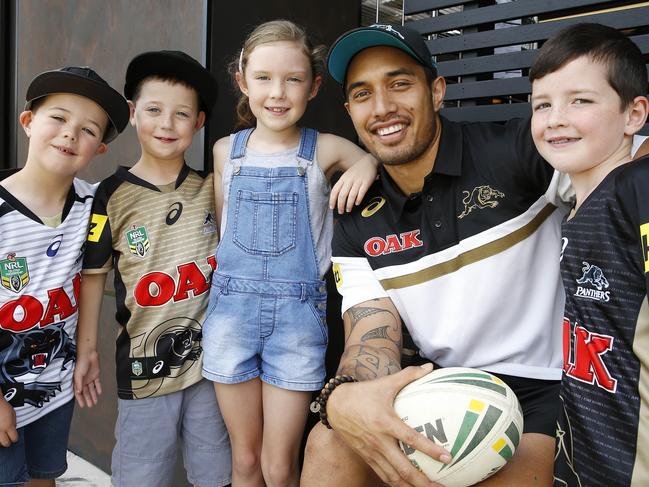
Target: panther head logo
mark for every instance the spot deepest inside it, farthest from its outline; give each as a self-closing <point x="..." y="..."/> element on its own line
<point x="481" y="197"/>
<point x="593" y="275"/>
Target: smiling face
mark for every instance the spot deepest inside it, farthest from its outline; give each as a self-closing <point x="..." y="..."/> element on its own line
<point x="278" y="82"/>
<point x="392" y="105"/>
<point x="166" y="116"/>
<point x="65" y="132"/>
<point x="578" y="122"/>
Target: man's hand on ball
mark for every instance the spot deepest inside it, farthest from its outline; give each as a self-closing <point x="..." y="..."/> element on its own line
<point x="362" y="414"/>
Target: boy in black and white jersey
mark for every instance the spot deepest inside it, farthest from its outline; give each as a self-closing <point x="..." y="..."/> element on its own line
<point x="588" y="98"/>
<point x="70" y="116"/>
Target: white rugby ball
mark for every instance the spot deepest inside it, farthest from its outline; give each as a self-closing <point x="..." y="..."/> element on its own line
<point x="471" y="413"/>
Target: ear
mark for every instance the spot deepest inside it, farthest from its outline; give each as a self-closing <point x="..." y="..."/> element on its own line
<point x="347" y="108"/>
<point x="637" y="112"/>
<point x="241" y="82"/>
<point x="315" y="86"/>
<point x="25" y="119"/>
<point x="438" y="90"/>
<point x="102" y="149"/>
<point x="131" y="109"/>
<point x="200" y="121"/>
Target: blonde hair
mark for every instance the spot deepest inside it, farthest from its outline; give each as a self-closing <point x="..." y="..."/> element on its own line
<point x="273" y="31"/>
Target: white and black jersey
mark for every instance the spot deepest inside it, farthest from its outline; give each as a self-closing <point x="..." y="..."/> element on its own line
<point x="472" y="261"/>
<point x="603" y="431"/>
<point x="40" y="277"/>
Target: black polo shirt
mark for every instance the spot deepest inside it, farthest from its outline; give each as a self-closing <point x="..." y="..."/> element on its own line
<point x="467" y="258"/>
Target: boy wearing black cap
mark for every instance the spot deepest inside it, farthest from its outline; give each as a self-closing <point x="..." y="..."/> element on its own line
<point x="70" y="116"/>
<point x="154" y="224"/>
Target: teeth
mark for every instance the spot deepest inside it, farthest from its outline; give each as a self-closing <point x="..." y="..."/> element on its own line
<point x="391" y="129"/>
<point x="277" y="110"/>
<point x="562" y="140"/>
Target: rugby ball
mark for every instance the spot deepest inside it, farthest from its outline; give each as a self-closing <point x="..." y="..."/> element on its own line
<point x="471" y="413"/>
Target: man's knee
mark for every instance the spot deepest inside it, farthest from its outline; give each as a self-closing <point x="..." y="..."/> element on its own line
<point x="326" y="452"/>
<point x="321" y="446"/>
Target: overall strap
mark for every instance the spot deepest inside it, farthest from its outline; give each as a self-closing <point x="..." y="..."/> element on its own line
<point x="240" y="143"/>
<point x="308" y="139"/>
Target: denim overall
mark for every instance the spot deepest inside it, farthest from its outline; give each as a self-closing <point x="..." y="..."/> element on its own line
<point x="266" y="315"/>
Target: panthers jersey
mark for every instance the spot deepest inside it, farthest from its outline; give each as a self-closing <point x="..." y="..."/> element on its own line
<point x="40" y="277"/>
<point x="603" y="428"/>
<point x="160" y="241"/>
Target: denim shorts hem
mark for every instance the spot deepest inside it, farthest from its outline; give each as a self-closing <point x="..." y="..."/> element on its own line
<point x="230" y="379"/>
<point x="47" y="475"/>
<point x="209" y="482"/>
<point x="292" y="386"/>
<point x="23" y="478"/>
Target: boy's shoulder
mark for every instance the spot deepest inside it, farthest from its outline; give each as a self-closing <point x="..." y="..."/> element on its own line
<point x="84" y="188"/>
<point x="633" y="174"/>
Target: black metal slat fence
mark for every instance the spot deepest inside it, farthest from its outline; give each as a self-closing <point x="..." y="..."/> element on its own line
<point x="464" y="41"/>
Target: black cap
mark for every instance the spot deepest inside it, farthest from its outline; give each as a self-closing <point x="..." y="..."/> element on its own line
<point x="82" y="81"/>
<point x="178" y="65"/>
<point x="352" y="42"/>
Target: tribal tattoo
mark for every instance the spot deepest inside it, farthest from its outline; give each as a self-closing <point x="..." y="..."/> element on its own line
<point x="377" y="351"/>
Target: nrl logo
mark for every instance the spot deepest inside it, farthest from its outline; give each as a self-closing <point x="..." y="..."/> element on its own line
<point x="136" y="368"/>
<point x="14" y="273"/>
<point x="138" y="241"/>
<point x="481" y="197"/>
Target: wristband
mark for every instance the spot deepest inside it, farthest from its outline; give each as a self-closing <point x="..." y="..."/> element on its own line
<point x="319" y="405"/>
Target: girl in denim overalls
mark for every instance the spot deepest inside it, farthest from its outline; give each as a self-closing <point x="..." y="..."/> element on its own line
<point x="265" y="335"/>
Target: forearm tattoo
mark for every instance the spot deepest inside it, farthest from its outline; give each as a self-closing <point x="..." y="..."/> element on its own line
<point x="377" y="352"/>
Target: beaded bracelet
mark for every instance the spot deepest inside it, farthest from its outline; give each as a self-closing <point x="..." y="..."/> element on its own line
<point x="319" y="405"/>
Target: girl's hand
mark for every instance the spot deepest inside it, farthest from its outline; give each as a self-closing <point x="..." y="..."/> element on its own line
<point x="353" y="184"/>
<point x="8" y="432"/>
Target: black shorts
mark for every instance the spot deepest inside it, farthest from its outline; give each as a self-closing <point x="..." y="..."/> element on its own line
<point x="539" y="398"/>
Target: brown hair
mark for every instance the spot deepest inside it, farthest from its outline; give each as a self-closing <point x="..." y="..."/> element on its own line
<point x="626" y="71"/>
<point x="166" y="78"/>
<point x="273" y="31"/>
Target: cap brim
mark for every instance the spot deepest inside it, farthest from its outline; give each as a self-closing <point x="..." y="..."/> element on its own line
<point x="161" y="64"/>
<point x="351" y="43"/>
<point x="109" y="100"/>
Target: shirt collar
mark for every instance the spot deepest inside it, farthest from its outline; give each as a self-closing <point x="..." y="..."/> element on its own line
<point x="124" y="173"/>
<point x="447" y="163"/>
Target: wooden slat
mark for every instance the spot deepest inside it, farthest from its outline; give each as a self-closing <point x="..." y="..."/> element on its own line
<point x="418" y="6"/>
<point x="488" y="113"/>
<point x="530" y="33"/>
<point x="487" y="64"/>
<point x="497" y="13"/>
<point x="507" y="61"/>
<point x="480" y="89"/>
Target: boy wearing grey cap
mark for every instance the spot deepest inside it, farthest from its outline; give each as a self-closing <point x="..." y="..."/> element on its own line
<point x="154" y="224"/>
<point x="70" y="116"/>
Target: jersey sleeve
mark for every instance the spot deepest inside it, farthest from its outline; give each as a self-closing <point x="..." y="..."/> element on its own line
<point x="354" y="277"/>
<point x="99" y="242"/>
<point x="633" y="198"/>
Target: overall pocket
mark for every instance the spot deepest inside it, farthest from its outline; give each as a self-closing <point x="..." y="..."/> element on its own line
<point x="265" y="222"/>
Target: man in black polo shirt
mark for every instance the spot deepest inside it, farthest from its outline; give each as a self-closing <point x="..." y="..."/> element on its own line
<point x="459" y="238"/>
